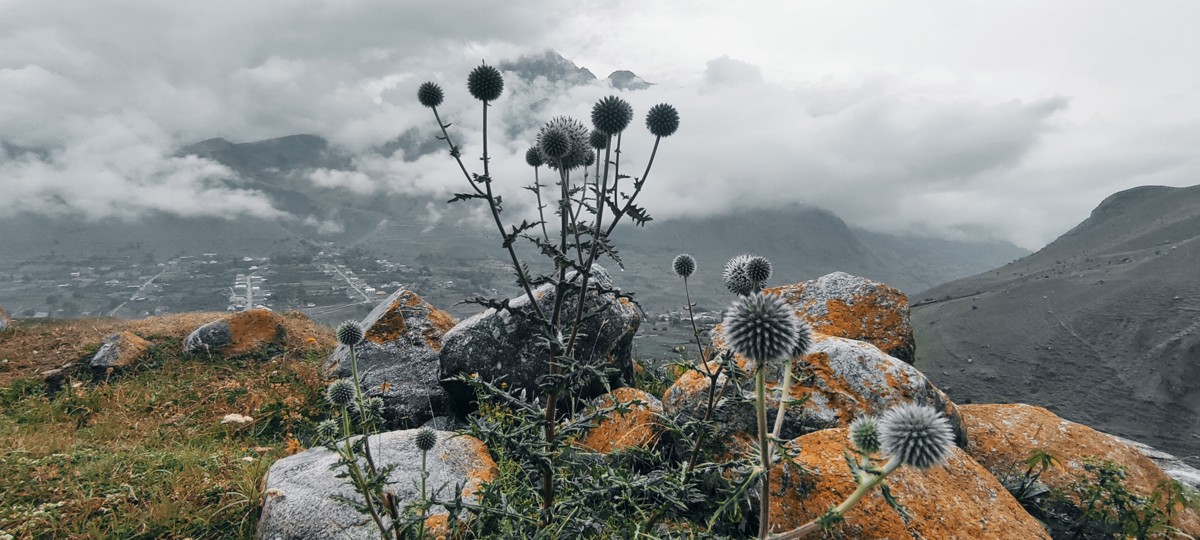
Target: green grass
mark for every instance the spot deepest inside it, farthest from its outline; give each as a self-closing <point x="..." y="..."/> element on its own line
<point x="146" y="456"/>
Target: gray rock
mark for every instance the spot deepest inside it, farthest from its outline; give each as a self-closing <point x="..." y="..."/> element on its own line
<point x="119" y="352"/>
<point x="842" y="379"/>
<point x="210" y="338"/>
<point x="244" y="332"/>
<point x="500" y="345"/>
<point x="1171" y="465"/>
<point x="398" y="359"/>
<point x="4" y="320"/>
<point x="299" y="490"/>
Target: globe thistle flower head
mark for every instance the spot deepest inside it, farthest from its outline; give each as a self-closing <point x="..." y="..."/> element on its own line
<point x="611" y="115"/>
<point x="328" y="430"/>
<point x="684" y="265"/>
<point x="425" y="439"/>
<point x="485" y="83"/>
<point x="533" y="157"/>
<point x="374" y="407"/>
<point x="662" y="120"/>
<point x="589" y="160"/>
<point x="736" y="279"/>
<point x="430" y="94"/>
<point x="564" y="140"/>
<point x="350" y="333"/>
<point x="864" y="433"/>
<point x="598" y="140"/>
<point x="340" y="393"/>
<point x="917" y="435"/>
<point x="758" y="269"/>
<point x="804" y="338"/>
<point x="761" y="327"/>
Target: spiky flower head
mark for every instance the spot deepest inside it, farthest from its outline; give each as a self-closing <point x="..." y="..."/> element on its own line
<point x="564" y="139"/>
<point x="758" y="269"/>
<point x="684" y="265"/>
<point x="804" y="338"/>
<point x="662" y="120"/>
<point x="598" y="140"/>
<point x="589" y="160"/>
<point x="917" y="435"/>
<point x="736" y="279"/>
<point x="485" y="83"/>
<point x="374" y="406"/>
<point x="350" y="333"/>
<point x="426" y="438"/>
<point x="611" y="115"/>
<point x="864" y="433"/>
<point x="430" y="94"/>
<point x="328" y="430"/>
<point x="340" y="393"/>
<point x="761" y="327"/>
<point x="533" y="157"/>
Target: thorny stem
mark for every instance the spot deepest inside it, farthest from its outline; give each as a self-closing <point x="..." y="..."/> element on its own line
<point x="602" y="187"/>
<point x="424" y="503"/>
<point x="764" y="490"/>
<point x="629" y="202"/>
<point x="537" y="191"/>
<point x="564" y="204"/>
<point x="784" y="393"/>
<point x="865" y="485"/>
<point x="362" y="410"/>
<point x="357" y="476"/>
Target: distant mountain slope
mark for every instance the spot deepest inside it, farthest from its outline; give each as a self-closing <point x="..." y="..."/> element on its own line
<point x="1101" y="326"/>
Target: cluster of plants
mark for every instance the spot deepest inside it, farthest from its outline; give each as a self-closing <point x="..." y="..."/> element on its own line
<point x="696" y="478"/>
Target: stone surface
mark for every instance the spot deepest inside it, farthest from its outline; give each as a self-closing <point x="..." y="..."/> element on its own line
<point x="957" y="500"/>
<point x="241" y="333"/>
<point x="498" y="344"/>
<point x="298" y="502"/>
<point x="641" y="426"/>
<point x="839" y="378"/>
<point x="398" y="358"/>
<point x="5" y="320"/>
<point x="1002" y="436"/>
<point x="119" y="352"/>
<point x="1170" y="464"/>
<point x="852" y="307"/>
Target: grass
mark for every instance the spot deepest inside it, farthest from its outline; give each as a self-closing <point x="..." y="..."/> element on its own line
<point x="146" y="456"/>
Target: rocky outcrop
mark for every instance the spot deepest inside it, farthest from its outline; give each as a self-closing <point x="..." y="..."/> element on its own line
<point x="241" y="333"/>
<point x="852" y="307"/>
<point x="119" y="353"/>
<point x="838" y="380"/>
<point x="641" y="426"/>
<point x="398" y="358"/>
<point x="300" y="491"/>
<point x="1003" y="436"/>
<point x="5" y="321"/>
<point x="959" y="499"/>
<point x="502" y="345"/>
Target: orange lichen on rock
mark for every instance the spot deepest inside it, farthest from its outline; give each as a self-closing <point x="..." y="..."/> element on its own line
<point x="393" y="324"/>
<point x="1003" y="436"/>
<point x="252" y="329"/>
<point x="130" y="348"/>
<point x="957" y="500"/>
<point x="639" y="427"/>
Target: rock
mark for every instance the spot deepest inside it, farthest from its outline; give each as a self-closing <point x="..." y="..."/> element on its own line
<point x="641" y="426"/>
<point x="959" y="499"/>
<point x="1171" y="465"/>
<point x="845" y="379"/>
<point x="119" y="352"/>
<point x="234" y="418"/>
<point x="501" y="345"/>
<point x="852" y="307"/>
<point x="300" y="489"/>
<point x="5" y="320"/>
<point x="1003" y="436"/>
<point x="241" y="333"/>
<point x="398" y="359"/>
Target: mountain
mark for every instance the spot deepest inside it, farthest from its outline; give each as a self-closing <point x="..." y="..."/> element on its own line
<point x="556" y="69"/>
<point x="1100" y="326"/>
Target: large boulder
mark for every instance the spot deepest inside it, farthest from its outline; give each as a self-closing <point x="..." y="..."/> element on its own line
<point x="640" y="427"/>
<point x="1003" y="436"/>
<point x="5" y="321"/>
<point x="501" y="345"/>
<point x="852" y="307"/>
<point x="119" y="353"/>
<point x="398" y="358"/>
<point x="241" y="333"/>
<point x="300" y="491"/>
<point x="959" y="499"/>
<point x="838" y="380"/>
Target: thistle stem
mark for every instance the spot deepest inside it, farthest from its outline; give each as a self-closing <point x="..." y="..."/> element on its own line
<point x="864" y="487"/>
<point x="637" y="189"/>
<point x="764" y="511"/>
<point x="784" y="393"/>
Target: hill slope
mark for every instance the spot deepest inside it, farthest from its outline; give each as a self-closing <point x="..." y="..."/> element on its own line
<point x="1100" y="326"/>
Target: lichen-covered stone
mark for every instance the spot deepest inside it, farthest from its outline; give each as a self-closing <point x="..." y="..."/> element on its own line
<point x="957" y="500"/>
<point x="299" y="490"/>
<point x="5" y="321"/>
<point x="498" y="344"/>
<point x="852" y="307"/>
<point x="398" y="358"/>
<point x="839" y="379"/>
<point x="118" y="353"/>
<point x="241" y="333"/>
<point x="1003" y="436"/>
<point x="641" y="426"/>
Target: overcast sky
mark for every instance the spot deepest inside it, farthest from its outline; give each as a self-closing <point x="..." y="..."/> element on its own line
<point x="961" y="119"/>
